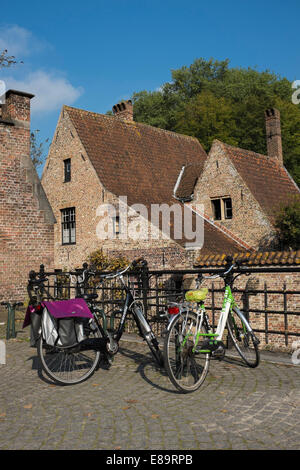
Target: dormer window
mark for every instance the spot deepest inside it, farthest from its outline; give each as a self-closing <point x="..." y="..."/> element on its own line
<point x="227" y="208"/>
<point x="67" y="170"/>
<point x="221" y="208"/>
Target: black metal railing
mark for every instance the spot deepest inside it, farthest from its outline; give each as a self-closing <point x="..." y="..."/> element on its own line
<point x="157" y="288"/>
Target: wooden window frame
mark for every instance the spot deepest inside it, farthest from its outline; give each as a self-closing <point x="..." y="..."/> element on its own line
<point x="68" y="222"/>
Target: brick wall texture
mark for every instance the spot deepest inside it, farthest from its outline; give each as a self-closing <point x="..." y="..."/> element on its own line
<point x="26" y="225"/>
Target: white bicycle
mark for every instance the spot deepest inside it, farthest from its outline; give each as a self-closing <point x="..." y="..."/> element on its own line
<point x="189" y="340"/>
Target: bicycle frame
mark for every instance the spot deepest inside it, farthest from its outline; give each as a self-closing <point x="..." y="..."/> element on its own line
<point x="130" y="307"/>
<point x="227" y="307"/>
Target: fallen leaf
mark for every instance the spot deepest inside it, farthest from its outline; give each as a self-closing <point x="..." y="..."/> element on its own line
<point x="224" y="411"/>
<point x="117" y="448"/>
<point x="154" y="416"/>
<point x="126" y="407"/>
<point x="28" y="407"/>
<point x="131" y="401"/>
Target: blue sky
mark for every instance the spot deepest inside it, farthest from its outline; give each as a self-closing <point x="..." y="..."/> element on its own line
<point x="92" y="54"/>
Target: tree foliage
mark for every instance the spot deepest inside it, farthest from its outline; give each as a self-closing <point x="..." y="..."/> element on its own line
<point x="37" y="149"/>
<point x="210" y="100"/>
<point x="288" y="225"/>
<point x="6" y="60"/>
<point x="103" y="262"/>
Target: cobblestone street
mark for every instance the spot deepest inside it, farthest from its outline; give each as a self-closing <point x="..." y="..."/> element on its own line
<point x="134" y="406"/>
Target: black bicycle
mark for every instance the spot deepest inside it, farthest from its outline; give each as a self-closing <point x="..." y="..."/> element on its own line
<point x="72" y="365"/>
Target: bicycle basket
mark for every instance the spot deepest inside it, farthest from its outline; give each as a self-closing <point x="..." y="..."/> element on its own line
<point x="196" y="295"/>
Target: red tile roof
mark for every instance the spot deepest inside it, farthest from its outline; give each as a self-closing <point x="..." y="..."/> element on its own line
<point x="134" y="159"/>
<point x="253" y="259"/>
<point x="143" y="163"/>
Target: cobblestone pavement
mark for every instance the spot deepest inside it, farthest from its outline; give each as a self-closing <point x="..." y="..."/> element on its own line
<point x="133" y="405"/>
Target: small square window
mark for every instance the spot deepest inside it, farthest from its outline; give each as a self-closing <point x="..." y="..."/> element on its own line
<point x="222" y="208"/>
<point x="67" y="170"/>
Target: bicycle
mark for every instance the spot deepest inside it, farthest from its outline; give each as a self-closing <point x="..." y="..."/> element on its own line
<point x="73" y="365"/>
<point x="190" y="343"/>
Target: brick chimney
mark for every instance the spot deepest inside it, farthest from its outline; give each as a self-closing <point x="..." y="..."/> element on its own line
<point x="26" y="217"/>
<point x="123" y="110"/>
<point x="273" y="132"/>
<point x="16" y="109"/>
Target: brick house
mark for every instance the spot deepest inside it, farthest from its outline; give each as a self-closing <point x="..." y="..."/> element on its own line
<point x="26" y="218"/>
<point x="94" y="159"/>
<point x="238" y="185"/>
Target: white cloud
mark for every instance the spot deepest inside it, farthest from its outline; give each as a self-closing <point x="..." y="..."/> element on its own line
<point x="19" y="41"/>
<point x="51" y="90"/>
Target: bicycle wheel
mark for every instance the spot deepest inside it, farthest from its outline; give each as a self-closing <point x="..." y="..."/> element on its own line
<point x="69" y="366"/>
<point x="243" y="339"/>
<point x="186" y="368"/>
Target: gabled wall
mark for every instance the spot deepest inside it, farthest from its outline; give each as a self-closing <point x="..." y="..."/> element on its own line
<point x="86" y="193"/>
<point x="221" y="179"/>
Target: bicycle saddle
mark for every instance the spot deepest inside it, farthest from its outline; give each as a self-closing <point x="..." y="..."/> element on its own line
<point x="196" y="295"/>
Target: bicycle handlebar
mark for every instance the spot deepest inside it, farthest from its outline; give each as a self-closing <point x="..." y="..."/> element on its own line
<point x="89" y="272"/>
<point x="229" y="267"/>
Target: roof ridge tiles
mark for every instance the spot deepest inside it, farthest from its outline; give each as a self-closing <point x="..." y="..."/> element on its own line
<point x="132" y="123"/>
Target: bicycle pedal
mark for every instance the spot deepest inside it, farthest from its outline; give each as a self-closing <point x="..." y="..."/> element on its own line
<point x="219" y="353"/>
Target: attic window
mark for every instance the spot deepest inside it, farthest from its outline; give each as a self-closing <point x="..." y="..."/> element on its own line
<point x="216" y="207"/>
<point x="227" y="208"/>
<point x="116" y="226"/>
<point x="222" y="208"/>
<point x="67" y="170"/>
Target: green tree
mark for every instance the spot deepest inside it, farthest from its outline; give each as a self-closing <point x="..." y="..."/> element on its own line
<point x="6" y="60"/>
<point x="37" y="149"/>
<point x="207" y="117"/>
<point x="288" y="225"/>
<point x="234" y="99"/>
